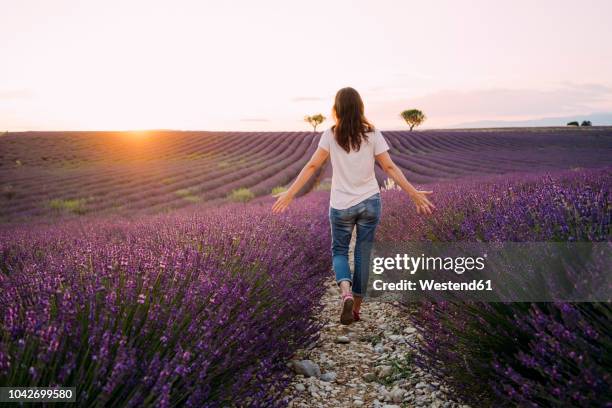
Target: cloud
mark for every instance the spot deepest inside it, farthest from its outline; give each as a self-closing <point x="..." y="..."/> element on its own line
<point x="16" y="94"/>
<point x="604" y="119"/>
<point x="413" y="75"/>
<point x="449" y="107"/>
<point x="595" y="88"/>
<point x="307" y="99"/>
<point x="516" y="102"/>
<point x="254" y="120"/>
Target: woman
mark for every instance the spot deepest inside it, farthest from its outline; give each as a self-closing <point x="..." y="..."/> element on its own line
<point x="353" y="145"/>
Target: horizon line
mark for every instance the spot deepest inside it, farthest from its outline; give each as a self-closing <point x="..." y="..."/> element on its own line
<point x="298" y="131"/>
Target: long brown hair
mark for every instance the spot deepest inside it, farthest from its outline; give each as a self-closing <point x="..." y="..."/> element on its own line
<point x="351" y="126"/>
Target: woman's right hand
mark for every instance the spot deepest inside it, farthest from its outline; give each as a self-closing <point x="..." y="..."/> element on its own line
<point x="422" y="203"/>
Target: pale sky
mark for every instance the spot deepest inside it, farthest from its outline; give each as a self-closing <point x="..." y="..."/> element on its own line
<point x="263" y="65"/>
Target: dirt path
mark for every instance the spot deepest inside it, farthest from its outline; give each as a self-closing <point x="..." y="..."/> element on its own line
<point x="366" y="364"/>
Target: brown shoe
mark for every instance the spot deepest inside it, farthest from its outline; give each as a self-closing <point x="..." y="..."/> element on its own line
<point x="346" y="317"/>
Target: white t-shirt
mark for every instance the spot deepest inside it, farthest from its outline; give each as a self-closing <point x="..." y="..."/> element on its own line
<point x="353" y="178"/>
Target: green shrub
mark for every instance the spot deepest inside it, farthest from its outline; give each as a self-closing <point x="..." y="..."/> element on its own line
<point x="76" y="206"/>
<point x="194" y="156"/>
<point x="241" y="195"/>
<point x="187" y="195"/>
<point x="183" y="192"/>
<point x="279" y="189"/>
<point x="323" y="186"/>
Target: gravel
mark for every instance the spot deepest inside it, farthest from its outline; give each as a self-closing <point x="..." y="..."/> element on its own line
<point x="360" y="363"/>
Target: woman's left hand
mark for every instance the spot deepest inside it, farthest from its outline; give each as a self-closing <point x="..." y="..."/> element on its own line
<point x="422" y="203"/>
<point x="282" y="202"/>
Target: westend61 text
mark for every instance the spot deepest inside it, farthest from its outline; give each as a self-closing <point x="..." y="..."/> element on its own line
<point x="432" y="285"/>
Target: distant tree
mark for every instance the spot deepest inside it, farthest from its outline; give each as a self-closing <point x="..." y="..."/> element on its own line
<point x="586" y="123"/>
<point x="314" y="120"/>
<point x="413" y="117"/>
<point x="573" y="123"/>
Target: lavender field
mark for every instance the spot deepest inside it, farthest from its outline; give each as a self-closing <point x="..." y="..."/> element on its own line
<point x="516" y="354"/>
<point x="50" y="174"/>
<point x="63" y="173"/>
<point x="127" y="271"/>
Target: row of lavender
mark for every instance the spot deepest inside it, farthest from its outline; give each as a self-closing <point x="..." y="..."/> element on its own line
<point x="511" y="354"/>
<point x="153" y="172"/>
<point x="430" y="156"/>
<point x="195" y="308"/>
<point x="67" y="173"/>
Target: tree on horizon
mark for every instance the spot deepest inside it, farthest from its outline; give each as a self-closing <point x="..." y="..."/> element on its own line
<point x="314" y="120"/>
<point x="413" y="117"/>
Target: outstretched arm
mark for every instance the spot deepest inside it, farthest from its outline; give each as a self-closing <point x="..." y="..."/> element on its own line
<point x="315" y="162"/>
<point x="422" y="203"/>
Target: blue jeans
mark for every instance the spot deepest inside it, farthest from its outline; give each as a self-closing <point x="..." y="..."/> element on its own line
<point x="365" y="216"/>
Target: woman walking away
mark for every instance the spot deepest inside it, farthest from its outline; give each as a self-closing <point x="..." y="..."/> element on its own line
<point x="354" y="145"/>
